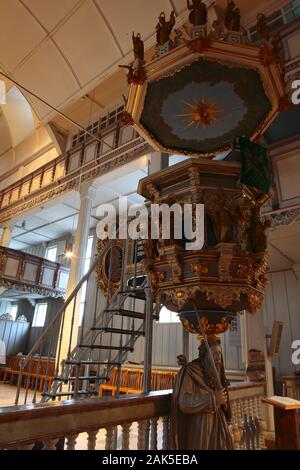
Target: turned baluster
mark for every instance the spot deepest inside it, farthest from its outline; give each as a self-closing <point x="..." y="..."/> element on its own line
<point x="258" y="406"/>
<point x="109" y="442"/>
<point x="141" y="434"/>
<point x="91" y="440"/>
<point x="241" y="422"/>
<point x="166" y="425"/>
<point x="234" y="412"/>
<point x="71" y="442"/>
<point x="50" y="444"/>
<point x="125" y="436"/>
<point x="153" y="441"/>
<point x="251" y="406"/>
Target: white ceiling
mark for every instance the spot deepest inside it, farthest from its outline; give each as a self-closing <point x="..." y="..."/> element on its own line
<point x="62" y="49"/>
<point x="284" y="245"/>
<point x="59" y="48"/>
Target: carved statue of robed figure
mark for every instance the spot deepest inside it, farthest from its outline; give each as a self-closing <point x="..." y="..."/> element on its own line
<point x="164" y="28"/>
<point x="200" y="408"/>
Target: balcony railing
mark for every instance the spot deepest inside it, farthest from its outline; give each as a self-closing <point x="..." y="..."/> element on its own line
<point x="147" y="416"/>
<point x="22" y="271"/>
<point x="86" y="160"/>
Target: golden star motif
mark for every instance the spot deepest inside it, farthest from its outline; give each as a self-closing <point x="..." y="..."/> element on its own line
<point x="201" y="114"/>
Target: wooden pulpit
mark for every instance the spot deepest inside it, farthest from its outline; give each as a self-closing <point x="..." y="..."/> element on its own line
<point x="287" y="422"/>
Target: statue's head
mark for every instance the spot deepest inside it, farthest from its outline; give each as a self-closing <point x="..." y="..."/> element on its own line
<point x="162" y="18"/>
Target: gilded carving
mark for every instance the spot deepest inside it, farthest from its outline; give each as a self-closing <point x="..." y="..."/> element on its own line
<point x="55" y="294"/>
<point x="255" y="300"/>
<point x="222" y="296"/>
<point x="109" y="270"/>
<point x="245" y="271"/>
<point x="217" y="327"/>
<point x="199" y="268"/>
<point x="199" y="45"/>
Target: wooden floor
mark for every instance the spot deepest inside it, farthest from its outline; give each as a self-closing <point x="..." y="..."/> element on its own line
<point x="8" y="395"/>
<point x="7" y="398"/>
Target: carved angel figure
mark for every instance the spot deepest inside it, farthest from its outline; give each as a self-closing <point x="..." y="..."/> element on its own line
<point x="262" y="28"/>
<point x="198" y="15"/>
<point x="232" y="17"/>
<point x="138" y="47"/>
<point x="164" y="28"/>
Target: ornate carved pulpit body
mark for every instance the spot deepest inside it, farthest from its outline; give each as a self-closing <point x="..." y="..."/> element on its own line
<point x="228" y="274"/>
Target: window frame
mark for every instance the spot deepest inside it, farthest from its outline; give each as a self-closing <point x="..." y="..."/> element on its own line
<point x="36" y="314"/>
<point x="48" y="249"/>
<point x="14" y="306"/>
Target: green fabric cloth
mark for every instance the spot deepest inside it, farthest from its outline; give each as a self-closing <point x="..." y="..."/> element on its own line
<point x="256" y="170"/>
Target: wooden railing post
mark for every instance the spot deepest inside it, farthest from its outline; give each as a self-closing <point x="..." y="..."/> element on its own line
<point x="109" y="441"/>
<point x="141" y="434"/>
<point x="166" y="431"/>
<point x="153" y="441"/>
<point x="71" y="441"/>
<point x="126" y="436"/>
<point x="92" y="439"/>
<point x="50" y="444"/>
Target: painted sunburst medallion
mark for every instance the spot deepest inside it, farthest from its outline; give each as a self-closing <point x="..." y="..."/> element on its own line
<point x="201" y="114"/>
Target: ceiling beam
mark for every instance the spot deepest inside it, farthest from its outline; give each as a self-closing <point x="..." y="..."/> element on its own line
<point x="34" y="230"/>
<point x="110" y="28"/>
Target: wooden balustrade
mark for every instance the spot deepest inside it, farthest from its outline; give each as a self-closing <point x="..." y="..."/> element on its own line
<point x="39" y="275"/>
<point x="246" y="404"/>
<point x="23" y="427"/>
<point x="62" y="173"/>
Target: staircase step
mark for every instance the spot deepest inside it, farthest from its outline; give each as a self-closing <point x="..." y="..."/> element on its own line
<point x="88" y="377"/>
<point x="126" y="313"/>
<point x="120" y="331"/>
<point x="104" y="363"/>
<point x="65" y="394"/>
<point x="108" y="348"/>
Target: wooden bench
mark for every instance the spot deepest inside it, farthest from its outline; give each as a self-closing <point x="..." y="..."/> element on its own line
<point x="131" y="381"/>
<point x="35" y="372"/>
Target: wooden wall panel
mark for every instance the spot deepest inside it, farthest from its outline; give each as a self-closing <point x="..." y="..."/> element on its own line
<point x="282" y="303"/>
<point x="15" y="336"/>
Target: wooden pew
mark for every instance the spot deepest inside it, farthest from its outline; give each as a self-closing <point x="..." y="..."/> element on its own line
<point x="34" y="371"/>
<point x="131" y="381"/>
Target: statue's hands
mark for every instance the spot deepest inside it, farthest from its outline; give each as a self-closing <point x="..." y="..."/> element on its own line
<point x="221" y="397"/>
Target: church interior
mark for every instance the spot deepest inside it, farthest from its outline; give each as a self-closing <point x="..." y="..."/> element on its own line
<point x="120" y="119"/>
